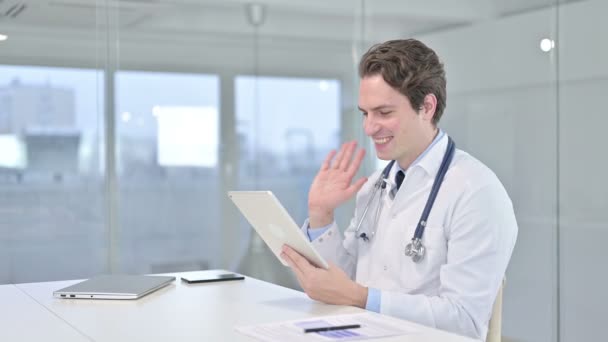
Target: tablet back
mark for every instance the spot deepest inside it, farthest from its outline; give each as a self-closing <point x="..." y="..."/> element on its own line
<point x="274" y="224"/>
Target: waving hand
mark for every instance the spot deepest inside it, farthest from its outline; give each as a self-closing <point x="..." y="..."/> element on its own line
<point x="333" y="184"/>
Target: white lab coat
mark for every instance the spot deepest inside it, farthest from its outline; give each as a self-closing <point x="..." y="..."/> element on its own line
<point x="469" y="238"/>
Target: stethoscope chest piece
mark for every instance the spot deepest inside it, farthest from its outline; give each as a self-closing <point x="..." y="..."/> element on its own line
<point x="415" y="250"/>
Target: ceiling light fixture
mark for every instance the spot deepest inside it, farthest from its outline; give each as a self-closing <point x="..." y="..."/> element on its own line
<point x="547" y="44"/>
<point x="256" y="13"/>
<point x="3" y="37"/>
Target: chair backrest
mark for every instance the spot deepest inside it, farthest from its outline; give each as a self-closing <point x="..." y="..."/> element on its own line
<point x="495" y="325"/>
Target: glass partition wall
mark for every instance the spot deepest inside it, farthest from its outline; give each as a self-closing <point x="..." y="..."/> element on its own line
<point x="582" y="188"/>
<point x="124" y="123"/>
<point x="52" y="200"/>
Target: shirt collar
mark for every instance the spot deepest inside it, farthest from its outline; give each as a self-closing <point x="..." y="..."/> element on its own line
<point x="428" y="160"/>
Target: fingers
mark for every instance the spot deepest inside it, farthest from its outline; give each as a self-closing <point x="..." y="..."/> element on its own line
<point x="343" y="159"/>
<point x="340" y="156"/>
<point x="354" y="188"/>
<point x="327" y="161"/>
<point x="293" y="266"/>
<point x="354" y="166"/>
<point x="348" y="155"/>
<point x="299" y="261"/>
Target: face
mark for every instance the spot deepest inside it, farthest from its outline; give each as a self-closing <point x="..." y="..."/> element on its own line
<point x="399" y="132"/>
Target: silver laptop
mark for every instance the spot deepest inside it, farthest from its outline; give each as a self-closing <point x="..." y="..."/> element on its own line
<point x="115" y="287"/>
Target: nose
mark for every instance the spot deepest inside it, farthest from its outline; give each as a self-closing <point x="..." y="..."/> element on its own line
<point x="370" y="125"/>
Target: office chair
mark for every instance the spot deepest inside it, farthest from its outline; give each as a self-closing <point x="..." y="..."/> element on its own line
<point x="495" y="325"/>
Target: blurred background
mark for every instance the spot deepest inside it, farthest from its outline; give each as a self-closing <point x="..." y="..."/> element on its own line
<point x="124" y="122"/>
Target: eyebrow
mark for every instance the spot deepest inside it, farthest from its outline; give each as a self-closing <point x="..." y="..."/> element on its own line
<point x="377" y="108"/>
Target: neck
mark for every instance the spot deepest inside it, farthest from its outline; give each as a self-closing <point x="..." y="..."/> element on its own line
<point x="425" y="142"/>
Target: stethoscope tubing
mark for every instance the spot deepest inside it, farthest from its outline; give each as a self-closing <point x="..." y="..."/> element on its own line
<point x="379" y="185"/>
<point x="416" y="249"/>
<point x="443" y="169"/>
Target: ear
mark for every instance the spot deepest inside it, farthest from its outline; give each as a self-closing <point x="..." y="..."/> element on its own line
<point x="429" y="105"/>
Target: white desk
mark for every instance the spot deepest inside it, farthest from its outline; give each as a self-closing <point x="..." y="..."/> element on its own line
<point x="23" y="319"/>
<point x="185" y="312"/>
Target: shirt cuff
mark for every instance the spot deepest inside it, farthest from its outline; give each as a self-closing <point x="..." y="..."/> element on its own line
<point x="373" y="300"/>
<point x="313" y="234"/>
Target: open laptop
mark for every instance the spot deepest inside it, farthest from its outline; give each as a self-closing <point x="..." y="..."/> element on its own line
<point x="115" y="287"/>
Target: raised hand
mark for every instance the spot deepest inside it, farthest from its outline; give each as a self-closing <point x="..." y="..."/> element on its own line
<point x="333" y="184"/>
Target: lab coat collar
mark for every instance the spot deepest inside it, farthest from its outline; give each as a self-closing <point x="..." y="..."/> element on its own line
<point x="430" y="163"/>
<point x="432" y="160"/>
<point x="419" y="176"/>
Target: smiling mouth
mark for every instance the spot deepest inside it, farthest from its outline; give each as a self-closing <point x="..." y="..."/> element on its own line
<point x="382" y="141"/>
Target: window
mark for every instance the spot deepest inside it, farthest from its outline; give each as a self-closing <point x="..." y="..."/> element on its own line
<point x="51" y="199"/>
<point x="167" y="127"/>
<point x="285" y="128"/>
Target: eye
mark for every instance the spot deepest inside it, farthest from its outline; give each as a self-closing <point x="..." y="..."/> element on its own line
<point x="386" y="112"/>
<point x="364" y="114"/>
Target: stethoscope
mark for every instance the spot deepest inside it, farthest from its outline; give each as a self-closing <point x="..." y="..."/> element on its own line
<point x="415" y="249"/>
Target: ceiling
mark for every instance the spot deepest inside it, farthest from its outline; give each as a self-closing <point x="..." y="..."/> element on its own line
<point x="281" y="19"/>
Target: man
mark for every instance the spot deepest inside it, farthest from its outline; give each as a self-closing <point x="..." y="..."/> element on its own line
<point x="469" y="234"/>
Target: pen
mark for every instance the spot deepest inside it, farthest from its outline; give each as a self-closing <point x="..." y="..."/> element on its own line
<point x="335" y="327"/>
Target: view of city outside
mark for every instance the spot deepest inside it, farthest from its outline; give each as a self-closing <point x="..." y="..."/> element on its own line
<point x="52" y="213"/>
<point x="286" y="127"/>
<point x="51" y="177"/>
<point x="167" y="127"/>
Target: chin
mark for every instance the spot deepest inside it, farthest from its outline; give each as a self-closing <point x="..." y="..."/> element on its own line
<point x="383" y="156"/>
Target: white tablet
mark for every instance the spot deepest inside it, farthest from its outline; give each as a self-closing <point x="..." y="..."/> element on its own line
<point x="274" y="224"/>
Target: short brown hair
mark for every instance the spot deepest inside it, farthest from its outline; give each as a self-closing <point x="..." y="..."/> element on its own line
<point x="411" y="68"/>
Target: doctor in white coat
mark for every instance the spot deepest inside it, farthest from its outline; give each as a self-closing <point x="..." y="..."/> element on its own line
<point x="471" y="230"/>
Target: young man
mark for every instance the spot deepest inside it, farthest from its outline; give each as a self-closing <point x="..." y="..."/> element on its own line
<point x="470" y="231"/>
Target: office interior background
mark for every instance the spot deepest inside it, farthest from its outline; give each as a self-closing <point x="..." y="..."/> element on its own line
<point x="124" y="122"/>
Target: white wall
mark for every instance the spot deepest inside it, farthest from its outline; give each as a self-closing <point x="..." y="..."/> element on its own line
<point x="544" y="140"/>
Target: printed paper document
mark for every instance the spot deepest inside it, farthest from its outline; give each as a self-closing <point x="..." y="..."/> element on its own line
<point x="372" y="325"/>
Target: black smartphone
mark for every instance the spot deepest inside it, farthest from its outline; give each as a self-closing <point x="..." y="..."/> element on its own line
<point x="208" y="278"/>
